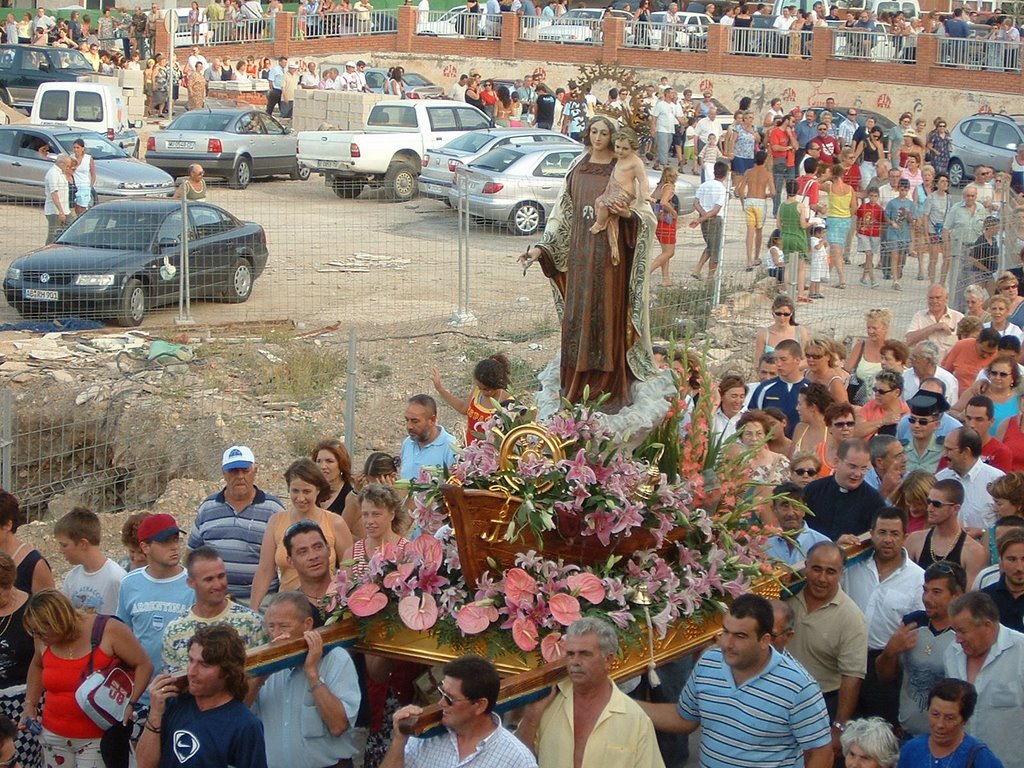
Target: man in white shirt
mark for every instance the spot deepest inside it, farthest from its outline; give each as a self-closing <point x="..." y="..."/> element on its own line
<point x="349" y="81"/>
<point x="924" y="364"/>
<point x="361" y="76"/>
<point x="710" y="209"/>
<point x="458" y="90"/>
<point x="962" y="449"/>
<point x="665" y="116"/>
<point x="57" y="203"/>
<point x="197" y="58"/>
<point x="937" y="323"/>
<point x="706" y="126"/>
<point x="886" y="587"/>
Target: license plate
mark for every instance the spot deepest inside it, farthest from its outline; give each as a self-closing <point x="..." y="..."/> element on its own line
<point x="328" y="163"/>
<point x="32" y="293"/>
<point x="181" y="145"/>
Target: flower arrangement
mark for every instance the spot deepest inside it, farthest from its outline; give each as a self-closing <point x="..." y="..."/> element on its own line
<point x="569" y="481"/>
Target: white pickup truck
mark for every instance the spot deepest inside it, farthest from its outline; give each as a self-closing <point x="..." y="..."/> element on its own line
<point x="390" y="150"/>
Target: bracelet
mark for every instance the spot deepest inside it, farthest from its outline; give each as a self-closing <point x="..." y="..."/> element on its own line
<point x="149" y="727"/>
<point x="316" y="685"/>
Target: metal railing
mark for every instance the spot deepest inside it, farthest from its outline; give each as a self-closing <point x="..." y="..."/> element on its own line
<point x="972" y="53"/>
<point x="776" y="43"/>
<point x="443" y="23"/>
<point x="865" y="45"/>
<point x="224" y="32"/>
<point x="344" y="23"/>
<point x="530" y="26"/>
<point x="661" y="36"/>
<point x="572" y="30"/>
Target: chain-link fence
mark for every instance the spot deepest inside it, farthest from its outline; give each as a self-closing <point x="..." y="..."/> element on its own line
<point x="313" y="314"/>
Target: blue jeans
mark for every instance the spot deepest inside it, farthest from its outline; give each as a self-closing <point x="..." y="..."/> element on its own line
<point x="662" y="143"/>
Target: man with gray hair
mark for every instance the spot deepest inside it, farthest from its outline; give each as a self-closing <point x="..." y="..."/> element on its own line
<point x="924" y="364"/>
<point x="888" y="464"/>
<point x="937" y="323"/>
<point x="587" y="714"/>
<point x="57" y="204"/>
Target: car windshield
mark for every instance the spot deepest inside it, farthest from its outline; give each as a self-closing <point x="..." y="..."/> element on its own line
<point x="470" y="142"/>
<point x="70" y="59"/>
<point x="201" y="121"/>
<point x="98" y="146"/>
<point x="497" y="160"/>
<point x="416" y="81"/>
<point x="114" y="229"/>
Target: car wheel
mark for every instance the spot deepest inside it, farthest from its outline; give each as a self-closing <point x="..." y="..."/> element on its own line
<point x="301" y="172"/>
<point x="241" y="176"/>
<point x="526" y="218"/>
<point x="956" y="173"/>
<point x="239" y="288"/>
<point x="400" y="182"/>
<point x="133" y="304"/>
<point x="346" y="189"/>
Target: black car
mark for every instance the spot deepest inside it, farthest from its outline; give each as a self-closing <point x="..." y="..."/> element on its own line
<point x="122" y="258"/>
<point x="23" y="68"/>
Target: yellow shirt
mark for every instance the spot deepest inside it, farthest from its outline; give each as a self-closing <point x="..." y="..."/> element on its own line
<point x="830" y="642"/>
<point x="839" y="206"/>
<point x="623" y="736"/>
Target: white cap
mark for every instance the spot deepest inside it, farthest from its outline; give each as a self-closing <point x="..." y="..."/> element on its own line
<point x="350" y="64"/>
<point x="238" y="457"/>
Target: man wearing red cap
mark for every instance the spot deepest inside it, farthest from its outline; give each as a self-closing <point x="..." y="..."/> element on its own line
<point x="158" y="593"/>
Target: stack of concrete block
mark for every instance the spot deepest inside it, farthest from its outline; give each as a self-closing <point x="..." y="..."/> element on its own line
<point x="131" y="81"/>
<point x="342" y="110"/>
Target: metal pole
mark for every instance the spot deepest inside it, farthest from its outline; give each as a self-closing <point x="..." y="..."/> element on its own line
<point x="172" y="27"/>
<point x="6" y="440"/>
<point x="350" y="392"/>
<point x="464" y="299"/>
<point x="184" y="295"/>
<point x="463" y="235"/>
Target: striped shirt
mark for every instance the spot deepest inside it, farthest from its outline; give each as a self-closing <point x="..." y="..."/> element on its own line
<point x="236" y="536"/>
<point x="768" y="721"/>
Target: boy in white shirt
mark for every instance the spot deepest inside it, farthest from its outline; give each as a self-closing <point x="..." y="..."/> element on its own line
<point x="819" y="257"/>
<point x="95" y="581"/>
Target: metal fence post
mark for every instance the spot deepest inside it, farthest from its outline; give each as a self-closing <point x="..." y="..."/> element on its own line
<point x="184" y="295"/>
<point x="6" y="440"/>
<point x="462" y="315"/>
<point x="350" y="391"/>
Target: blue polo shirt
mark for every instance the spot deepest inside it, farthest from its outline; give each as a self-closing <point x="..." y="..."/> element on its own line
<point x="776" y="393"/>
<point x="768" y="721"/>
<point x="438" y="453"/>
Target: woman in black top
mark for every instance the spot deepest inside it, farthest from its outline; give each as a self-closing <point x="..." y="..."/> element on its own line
<point x="33" y="572"/>
<point x="336" y="465"/>
<point x="16" y="649"/>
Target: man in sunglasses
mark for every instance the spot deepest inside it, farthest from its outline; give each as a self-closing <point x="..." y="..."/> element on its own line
<point x="923" y="449"/>
<point x="474" y="734"/>
<point x="918" y="646"/>
<point x="945" y="540"/>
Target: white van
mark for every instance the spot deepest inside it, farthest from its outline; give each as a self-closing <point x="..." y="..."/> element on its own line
<point x="95" y="107"/>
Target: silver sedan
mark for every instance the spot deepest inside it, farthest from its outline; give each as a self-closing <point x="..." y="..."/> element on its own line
<point x="439" y="165"/>
<point x="27" y="152"/>
<point x="518" y="186"/>
<point x="235" y="144"/>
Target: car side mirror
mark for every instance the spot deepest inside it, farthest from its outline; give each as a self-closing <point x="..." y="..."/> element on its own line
<point x="135" y="123"/>
<point x="165" y="243"/>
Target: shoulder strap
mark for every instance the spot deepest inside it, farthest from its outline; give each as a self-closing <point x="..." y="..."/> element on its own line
<point x="975" y="749"/>
<point x="99" y="624"/>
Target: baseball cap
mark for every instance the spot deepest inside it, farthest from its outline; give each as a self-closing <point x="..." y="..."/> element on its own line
<point x="904" y="184"/>
<point x="238" y="457"/>
<point x="350" y="64"/>
<point x="161" y="527"/>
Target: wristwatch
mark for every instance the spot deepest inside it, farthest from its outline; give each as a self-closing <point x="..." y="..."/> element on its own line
<point x="839" y="726"/>
<point x="316" y="685"/>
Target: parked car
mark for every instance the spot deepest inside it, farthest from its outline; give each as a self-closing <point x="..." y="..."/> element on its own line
<point x="988" y="139"/>
<point x="416" y="85"/>
<point x="449" y="24"/>
<point x="580" y="25"/>
<point x="839" y="117"/>
<point x="687" y="32"/>
<point x="235" y="144"/>
<point x="23" y="68"/>
<point x="95" y="107"/>
<point x="517" y="186"/>
<point x="439" y="164"/>
<point x="23" y="166"/>
<point x="389" y="150"/>
<point x="120" y="259"/>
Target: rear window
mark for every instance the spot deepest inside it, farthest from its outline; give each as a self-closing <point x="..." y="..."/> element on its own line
<point x="416" y="81"/>
<point x="88" y="107"/>
<point x="470" y="142"/>
<point x="200" y="121"/>
<point x="497" y="160"/>
<point x="54" y="106"/>
<point x="392" y="116"/>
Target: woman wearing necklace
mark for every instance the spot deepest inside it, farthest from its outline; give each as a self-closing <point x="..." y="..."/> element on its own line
<point x="947" y="745"/>
<point x="384" y="522"/>
<point x="16" y="650"/>
<point x="33" y="572"/>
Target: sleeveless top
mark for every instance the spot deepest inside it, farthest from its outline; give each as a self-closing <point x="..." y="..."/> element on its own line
<point x="794" y="237"/>
<point x="953" y="556"/>
<point x="338" y="505"/>
<point x="195" y="194"/>
<point x="61" y="678"/>
<point x="1014" y="440"/>
<point x="1003" y="411"/>
<point x="16" y="649"/>
<point x="361" y="560"/>
<point x="476" y="413"/>
<point x="870" y="154"/>
<point x="1016" y="174"/>
<point x="840" y="206"/>
<point x="279" y="524"/>
<point x="25" y="569"/>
